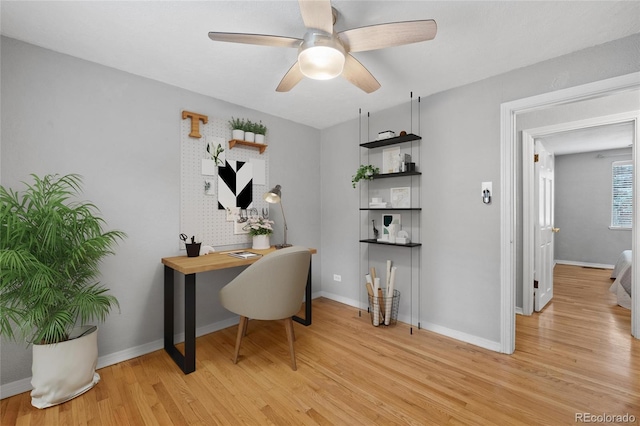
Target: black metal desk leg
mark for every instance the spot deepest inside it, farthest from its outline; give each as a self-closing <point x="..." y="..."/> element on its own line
<point x="168" y="309"/>
<point x="307" y="303"/>
<point x="186" y="362"/>
<point x="190" y="323"/>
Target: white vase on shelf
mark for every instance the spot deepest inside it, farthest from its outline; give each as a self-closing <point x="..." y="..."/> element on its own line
<point x="249" y="136"/>
<point x="260" y="242"/>
<point x="259" y="138"/>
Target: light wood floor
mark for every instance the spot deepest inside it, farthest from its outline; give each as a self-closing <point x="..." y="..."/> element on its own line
<point x="577" y="356"/>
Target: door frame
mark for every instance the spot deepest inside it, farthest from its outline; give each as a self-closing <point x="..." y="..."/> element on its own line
<point x="508" y="188"/>
<point x="528" y="194"/>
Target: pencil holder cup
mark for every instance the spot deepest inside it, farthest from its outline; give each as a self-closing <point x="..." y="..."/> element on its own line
<point x="193" y="250"/>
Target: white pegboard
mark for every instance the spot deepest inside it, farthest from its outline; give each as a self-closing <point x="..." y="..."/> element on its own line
<point x="199" y="213"/>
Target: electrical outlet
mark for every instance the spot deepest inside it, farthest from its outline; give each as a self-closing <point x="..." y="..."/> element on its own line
<point x="337" y="277"/>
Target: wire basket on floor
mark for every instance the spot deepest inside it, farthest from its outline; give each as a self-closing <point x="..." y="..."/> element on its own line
<point x="384" y="310"/>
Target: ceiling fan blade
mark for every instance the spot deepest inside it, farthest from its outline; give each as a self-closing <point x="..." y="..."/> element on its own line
<point x="317" y="14"/>
<point x="259" y="39"/>
<point x="388" y="35"/>
<point x="290" y="79"/>
<point x="358" y="75"/>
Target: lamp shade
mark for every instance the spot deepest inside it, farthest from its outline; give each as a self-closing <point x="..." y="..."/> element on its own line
<point x="273" y="196"/>
<point x="321" y="57"/>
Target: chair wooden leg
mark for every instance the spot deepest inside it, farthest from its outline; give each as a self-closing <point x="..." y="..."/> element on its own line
<point x="242" y="327"/>
<point x="288" y="324"/>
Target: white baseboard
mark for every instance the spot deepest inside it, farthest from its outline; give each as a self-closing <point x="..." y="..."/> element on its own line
<point x="519" y="311"/>
<point x="24" y="385"/>
<point x="464" y="337"/>
<point x="345" y="300"/>
<point x="584" y="264"/>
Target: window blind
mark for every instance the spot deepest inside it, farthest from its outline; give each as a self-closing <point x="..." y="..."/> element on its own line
<point x="622" y="200"/>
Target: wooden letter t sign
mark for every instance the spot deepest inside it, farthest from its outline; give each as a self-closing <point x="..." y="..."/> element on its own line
<point x="195" y="122"/>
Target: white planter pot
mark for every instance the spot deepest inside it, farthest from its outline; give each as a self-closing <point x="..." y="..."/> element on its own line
<point x="249" y="136"/>
<point x="237" y="134"/>
<point x="259" y="138"/>
<point x="62" y="371"/>
<point x="261" y="242"/>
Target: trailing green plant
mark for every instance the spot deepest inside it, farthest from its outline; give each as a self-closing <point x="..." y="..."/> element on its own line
<point x="51" y="246"/>
<point x="260" y="129"/>
<point x="364" y="172"/>
<point x="237" y="123"/>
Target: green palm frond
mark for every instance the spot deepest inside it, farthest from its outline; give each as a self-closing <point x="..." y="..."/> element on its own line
<point x="51" y="246"/>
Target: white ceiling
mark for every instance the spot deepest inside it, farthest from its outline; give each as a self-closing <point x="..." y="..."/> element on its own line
<point x="167" y="41"/>
<point x="597" y="138"/>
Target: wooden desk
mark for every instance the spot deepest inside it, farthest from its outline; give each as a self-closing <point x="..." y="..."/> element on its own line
<point x="190" y="266"/>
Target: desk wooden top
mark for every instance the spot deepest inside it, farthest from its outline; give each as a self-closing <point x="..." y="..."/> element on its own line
<point x="214" y="261"/>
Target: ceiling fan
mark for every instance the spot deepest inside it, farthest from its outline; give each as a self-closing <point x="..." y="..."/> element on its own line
<point x="324" y="54"/>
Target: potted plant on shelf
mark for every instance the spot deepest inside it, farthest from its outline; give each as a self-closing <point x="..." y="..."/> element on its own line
<point x="260" y="229"/>
<point x="260" y="130"/>
<point x="364" y="172"/>
<point x="237" y="126"/>
<point x="51" y="246"/>
<point x="249" y="131"/>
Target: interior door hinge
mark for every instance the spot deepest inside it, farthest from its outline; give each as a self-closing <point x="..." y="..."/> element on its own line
<point x="535" y="158"/>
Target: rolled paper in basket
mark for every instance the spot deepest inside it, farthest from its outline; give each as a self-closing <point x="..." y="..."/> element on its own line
<point x="376" y="303"/>
<point x="389" y="299"/>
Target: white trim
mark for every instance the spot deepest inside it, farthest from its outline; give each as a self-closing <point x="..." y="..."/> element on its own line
<point x="508" y="176"/>
<point x="464" y="337"/>
<point x="584" y="264"/>
<point x="528" y="220"/>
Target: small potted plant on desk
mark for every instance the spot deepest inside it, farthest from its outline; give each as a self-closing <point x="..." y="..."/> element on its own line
<point x="260" y="229"/>
<point x="51" y="246"/>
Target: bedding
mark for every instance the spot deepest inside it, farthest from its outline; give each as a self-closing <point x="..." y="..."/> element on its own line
<point x="623" y="260"/>
<point x="622" y="284"/>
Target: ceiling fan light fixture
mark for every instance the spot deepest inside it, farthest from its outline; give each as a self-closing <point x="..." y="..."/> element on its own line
<point x="321" y="57"/>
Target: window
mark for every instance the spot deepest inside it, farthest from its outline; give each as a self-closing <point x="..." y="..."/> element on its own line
<point x="622" y="199"/>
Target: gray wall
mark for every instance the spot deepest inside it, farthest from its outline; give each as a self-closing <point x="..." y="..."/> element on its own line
<point x="459" y="288"/>
<point x="122" y="133"/>
<point x="65" y="115"/>
<point x="583" y="209"/>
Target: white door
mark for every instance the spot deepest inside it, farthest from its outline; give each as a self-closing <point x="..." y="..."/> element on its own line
<point x="544" y="230"/>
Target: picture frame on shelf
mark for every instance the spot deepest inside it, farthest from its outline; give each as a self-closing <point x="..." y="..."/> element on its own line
<point x="391" y="160"/>
<point x="400" y="197"/>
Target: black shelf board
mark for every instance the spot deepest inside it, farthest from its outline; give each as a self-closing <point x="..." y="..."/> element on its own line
<point x="390" y="175"/>
<point x="391" y="208"/>
<point x="373" y="241"/>
<point x="391" y="141"/>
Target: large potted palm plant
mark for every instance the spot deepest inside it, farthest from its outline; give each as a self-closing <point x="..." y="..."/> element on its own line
<point x="51" y="245"/>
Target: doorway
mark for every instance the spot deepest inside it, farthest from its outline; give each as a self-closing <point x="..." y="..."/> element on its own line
<point x="511" y="247"/>
<point x="529" y="136"/>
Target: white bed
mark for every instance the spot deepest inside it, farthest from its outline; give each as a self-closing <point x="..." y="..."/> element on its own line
<point x="622" y="275"/>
